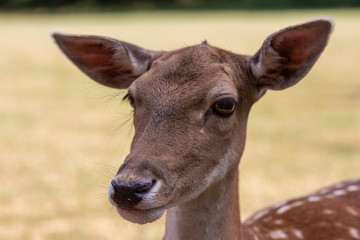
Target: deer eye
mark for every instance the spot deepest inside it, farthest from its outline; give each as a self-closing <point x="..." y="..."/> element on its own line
<point x="224" y="108"/>
<point x="130" y="98"/>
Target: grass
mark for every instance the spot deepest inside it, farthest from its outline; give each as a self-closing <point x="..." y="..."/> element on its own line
<point x="62" y="137"/>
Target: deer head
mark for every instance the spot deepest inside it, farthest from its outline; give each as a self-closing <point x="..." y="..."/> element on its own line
<point x="190" y="108"/>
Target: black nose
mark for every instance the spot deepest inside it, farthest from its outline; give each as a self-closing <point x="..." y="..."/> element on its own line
<point x="127" y="195"/>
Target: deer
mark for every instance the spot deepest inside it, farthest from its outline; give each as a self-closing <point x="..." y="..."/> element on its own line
<point x="190" y="111"/>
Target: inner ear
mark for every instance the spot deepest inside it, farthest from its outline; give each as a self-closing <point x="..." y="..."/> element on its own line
<point x="288" y="55"/>
<point x="296" y="46"/>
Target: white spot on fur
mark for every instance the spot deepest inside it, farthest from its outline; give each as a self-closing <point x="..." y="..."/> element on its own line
<point x="255" y="237"/>
<point x="354" y="233"/>
<point x="339" y="192"/>
<point x="353" y="188"/>
<point x="260" y="214"/>
<point x="328" y="211"/>
<point x="278" y="234"/>
<point x="314" y="198"/>
<point x="278" y="222"/>
<point x="288" y="207"/>
<point x="352" y="211"/>
<point x="280" y="204"/>
<point x="283" y="209"/>
<point x="297" y="233"/>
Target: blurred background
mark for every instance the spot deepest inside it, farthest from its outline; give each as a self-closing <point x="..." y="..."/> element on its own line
<point x="116" y="5"/>
<point x="63" y="137"/>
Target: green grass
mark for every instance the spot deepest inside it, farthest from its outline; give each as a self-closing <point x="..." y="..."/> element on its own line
<point x="62" y="137"/>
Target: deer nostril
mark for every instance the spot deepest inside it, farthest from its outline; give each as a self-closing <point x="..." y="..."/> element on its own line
<point x="137" y="187"/>
<point x="129" y="194"/>
<point x="142" y="187"/>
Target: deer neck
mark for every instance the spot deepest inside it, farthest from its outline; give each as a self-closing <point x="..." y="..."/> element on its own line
<point x="214" y="214"/>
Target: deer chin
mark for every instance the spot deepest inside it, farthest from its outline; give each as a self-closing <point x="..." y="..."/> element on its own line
<point x="141" y="216"/>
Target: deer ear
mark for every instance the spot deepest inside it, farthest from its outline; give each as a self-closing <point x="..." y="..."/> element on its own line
<point x="108" y="61"/>
<point x="288" y="55"/>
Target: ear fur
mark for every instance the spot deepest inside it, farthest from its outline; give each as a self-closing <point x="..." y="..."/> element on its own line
<point x="288" y="55"/>
<point x="108" y="61"/>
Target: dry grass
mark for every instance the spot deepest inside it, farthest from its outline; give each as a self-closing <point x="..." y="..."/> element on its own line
<point x="62" y="137"/>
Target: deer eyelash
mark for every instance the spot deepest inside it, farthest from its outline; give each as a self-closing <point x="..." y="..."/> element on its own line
<point x="126" y="97"/>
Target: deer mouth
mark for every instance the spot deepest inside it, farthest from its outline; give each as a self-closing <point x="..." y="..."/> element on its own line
<point x="141" y="216"/>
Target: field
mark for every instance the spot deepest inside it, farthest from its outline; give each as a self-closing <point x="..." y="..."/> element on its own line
<point x="62" y="137"/>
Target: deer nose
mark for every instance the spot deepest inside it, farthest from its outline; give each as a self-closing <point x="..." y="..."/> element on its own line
<point x="127" y="195"/>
